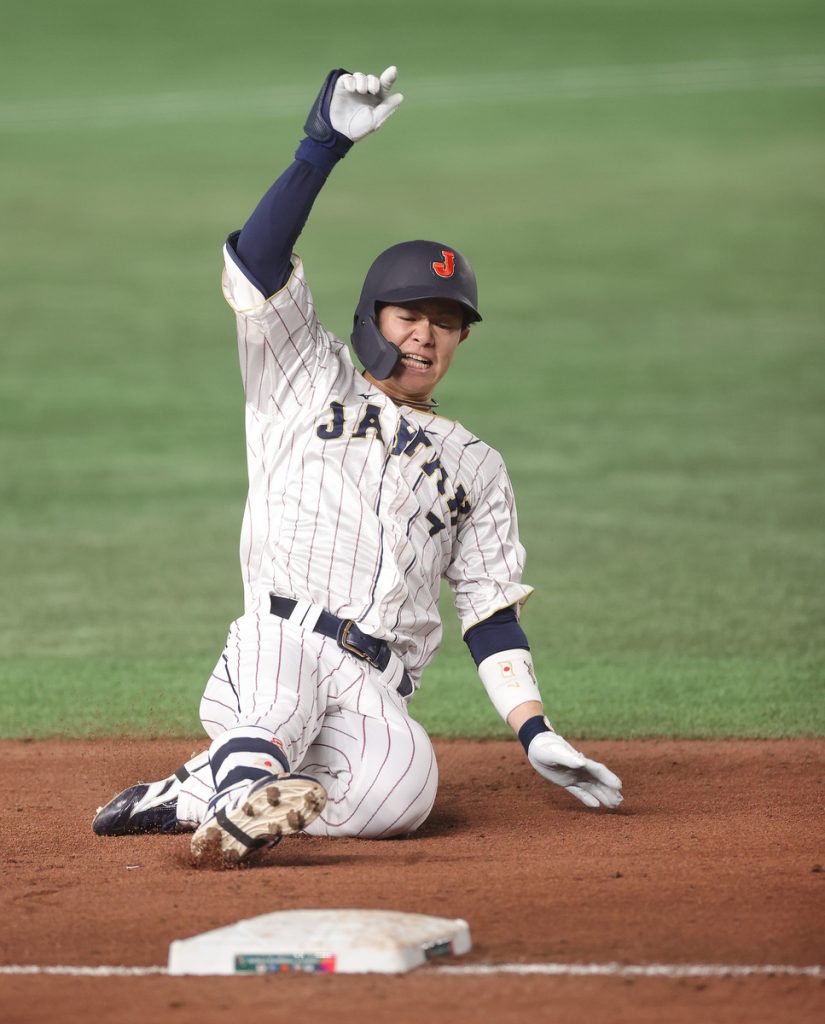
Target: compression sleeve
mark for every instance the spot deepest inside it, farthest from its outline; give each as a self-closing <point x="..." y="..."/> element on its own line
<point x="500" y="632"/>
<point x="266" y="241"/>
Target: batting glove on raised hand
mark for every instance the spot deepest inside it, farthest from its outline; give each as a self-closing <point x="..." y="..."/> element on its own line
<point x="591" y="782"/>
<point x="361" y="103"/>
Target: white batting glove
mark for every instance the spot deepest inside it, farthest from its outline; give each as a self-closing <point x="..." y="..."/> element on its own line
<point x="591" y="782"/>
<point x="361" y="103"/>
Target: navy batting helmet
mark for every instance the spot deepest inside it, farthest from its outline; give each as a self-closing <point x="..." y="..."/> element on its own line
<point x="404" y="273"/>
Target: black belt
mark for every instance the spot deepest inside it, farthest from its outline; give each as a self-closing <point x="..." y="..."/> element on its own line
<point x="349" y="638"/>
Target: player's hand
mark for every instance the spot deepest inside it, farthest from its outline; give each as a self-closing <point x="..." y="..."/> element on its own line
<point x="591" y="782"/>
<point x="361" y="103"/>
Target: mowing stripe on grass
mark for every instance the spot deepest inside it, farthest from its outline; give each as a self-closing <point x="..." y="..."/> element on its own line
<point x="609" y="970"/>
<point x="734" y="74"/>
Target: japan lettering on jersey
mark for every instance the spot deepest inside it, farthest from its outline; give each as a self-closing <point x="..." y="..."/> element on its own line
<point x="354" y="503"/>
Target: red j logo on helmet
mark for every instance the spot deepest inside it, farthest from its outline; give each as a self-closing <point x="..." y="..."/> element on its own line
<point x="446" y="268"/>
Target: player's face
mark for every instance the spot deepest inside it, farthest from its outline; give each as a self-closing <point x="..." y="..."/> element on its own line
<point x="428" y="332"/>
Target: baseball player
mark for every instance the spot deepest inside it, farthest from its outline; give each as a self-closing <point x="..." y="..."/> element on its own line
<point x="361" y="499"/>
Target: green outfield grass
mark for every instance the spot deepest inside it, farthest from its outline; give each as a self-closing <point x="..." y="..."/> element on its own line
<point x="650" y="257"/>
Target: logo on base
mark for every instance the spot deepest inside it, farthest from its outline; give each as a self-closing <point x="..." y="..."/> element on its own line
<point x="281" y="963"/>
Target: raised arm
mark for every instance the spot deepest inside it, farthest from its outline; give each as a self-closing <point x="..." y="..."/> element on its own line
<point x="348" y="108"/>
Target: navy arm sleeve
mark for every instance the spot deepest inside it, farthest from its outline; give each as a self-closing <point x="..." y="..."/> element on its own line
<point x="500" y="632"/>
<point x="266" y="241"/>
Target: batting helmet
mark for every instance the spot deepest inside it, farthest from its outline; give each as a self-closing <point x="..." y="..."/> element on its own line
<point x="404" y="273"/>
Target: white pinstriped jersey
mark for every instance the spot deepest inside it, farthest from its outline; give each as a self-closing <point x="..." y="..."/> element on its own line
<point x="354" y="503"/>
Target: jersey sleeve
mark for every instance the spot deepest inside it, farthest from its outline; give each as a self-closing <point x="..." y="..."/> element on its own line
<point x="282" y="346"/>
<point x="488" y="559"/>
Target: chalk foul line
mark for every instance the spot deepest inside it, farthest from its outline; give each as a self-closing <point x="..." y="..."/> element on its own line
<point x="604" y="970"/>
<point x="79" y="971"/>
<point x="616" y="970"/>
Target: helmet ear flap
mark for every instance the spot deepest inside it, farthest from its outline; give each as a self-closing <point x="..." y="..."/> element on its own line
<point x="379" y="356"/>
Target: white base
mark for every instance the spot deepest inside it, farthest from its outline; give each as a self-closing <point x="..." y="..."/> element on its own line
<point x="321" y="941"/>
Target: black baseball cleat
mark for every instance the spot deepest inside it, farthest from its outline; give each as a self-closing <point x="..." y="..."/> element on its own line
<point x="146" y="807"/>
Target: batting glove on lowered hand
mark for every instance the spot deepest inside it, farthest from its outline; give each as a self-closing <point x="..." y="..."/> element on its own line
<point x="591" y="782"/>
<point x="361" y="103"/>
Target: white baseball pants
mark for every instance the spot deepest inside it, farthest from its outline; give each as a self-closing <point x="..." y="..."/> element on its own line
<point x="334" y="716"/>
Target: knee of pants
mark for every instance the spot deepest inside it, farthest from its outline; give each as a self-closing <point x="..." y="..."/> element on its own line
<point x="219" y="703"/>
<point x="407" y="806"/>
<point x="214" y="718"/>
<point x="411" y="816"/>
<point x="395" y="817"/>
<point x="370" y="794"/>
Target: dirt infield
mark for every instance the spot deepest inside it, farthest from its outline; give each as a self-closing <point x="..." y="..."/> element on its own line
<point x="717" y="857"/>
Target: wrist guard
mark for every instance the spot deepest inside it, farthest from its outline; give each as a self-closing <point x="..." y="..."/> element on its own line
<point x="319" y="130"/>
<point x="509" y="680"/>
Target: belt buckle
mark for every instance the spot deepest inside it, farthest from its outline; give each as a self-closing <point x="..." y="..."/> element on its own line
<point x="343" y="642"/>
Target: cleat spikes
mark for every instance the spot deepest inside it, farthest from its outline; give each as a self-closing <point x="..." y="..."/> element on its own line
<point x="266" y="813"/>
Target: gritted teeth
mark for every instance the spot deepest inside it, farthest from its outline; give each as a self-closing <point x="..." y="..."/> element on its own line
<point x="419" y="360"/>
